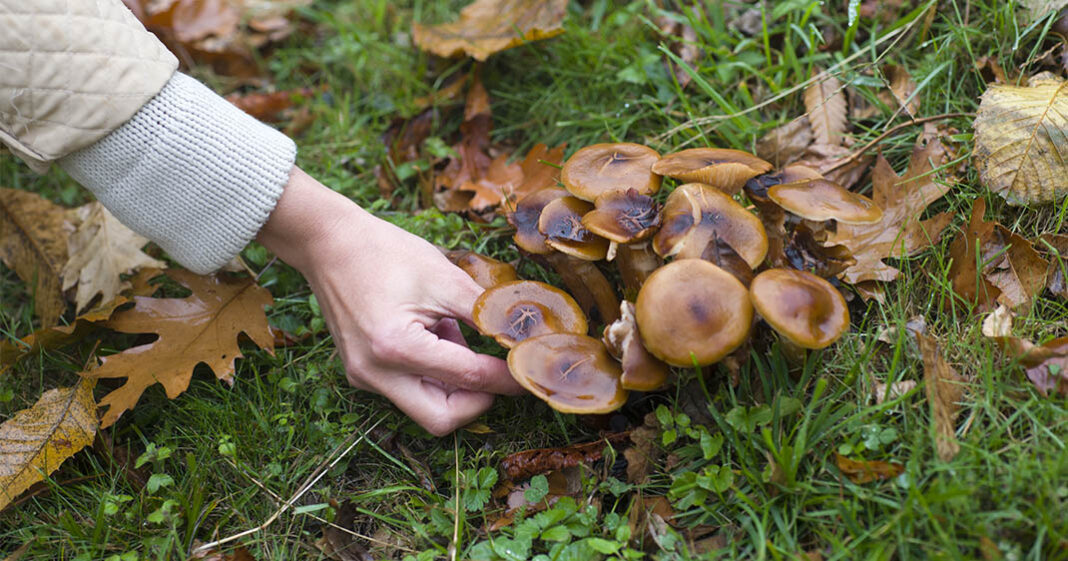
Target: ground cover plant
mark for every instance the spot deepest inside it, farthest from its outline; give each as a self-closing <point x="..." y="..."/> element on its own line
<point x="932" y="429"/>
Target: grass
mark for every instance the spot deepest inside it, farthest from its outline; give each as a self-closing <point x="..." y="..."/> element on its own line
<point x="1002" y="497"/>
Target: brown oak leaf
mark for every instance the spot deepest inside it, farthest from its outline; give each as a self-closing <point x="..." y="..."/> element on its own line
<point x="944" y="391"/>
<point x="900" y="233"/>
<point x="200" y="328"/>
<point x="865" y="471"/>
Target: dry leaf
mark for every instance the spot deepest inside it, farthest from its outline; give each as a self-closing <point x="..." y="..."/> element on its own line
<point x="541" y="169"/>
<point x="342" y="545"/>
<point x="992" y="264"/>
<point x="886" y="392"/>
<point x="200" y="328"/>
<point x="828" y="160"/>
<point x="239" y="554"/>
<point x="18" y="553"/>
<point x="268" y="107"/>
<point x="944" y="391"/>
<point x="528" y="463"/>
<point x="1055" y="246"/>
<point x="1021" y="141"/>
<point x="785" y="143"/>
<point x="902" y="90"/>
<point x="900" y="233"/>
<point x="33" y="242"/>
<point x="60" y="335"/>
<point x="488" y="26"/>
<point x="101" y="250"/>
<point x="35" y="441"/>
<point x="825" y="106"/>
<point x="863" y="471"/>
<point x="642" y="457"/>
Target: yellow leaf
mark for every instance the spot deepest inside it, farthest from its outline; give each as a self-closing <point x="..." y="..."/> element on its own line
<point x="825" y="106"/>
<point x="1021" y="141"/>
<point x="101" y="250"/>
<point x="488" y="26"/>
<point x="37" y="440"/>
<point x="33" y="242"/>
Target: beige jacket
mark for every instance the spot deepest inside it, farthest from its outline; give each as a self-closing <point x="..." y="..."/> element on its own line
<point x="72" y="71"/>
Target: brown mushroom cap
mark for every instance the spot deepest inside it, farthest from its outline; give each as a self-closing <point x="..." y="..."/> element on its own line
<point x="525" y="219"/>
<point x="695" y="213"/>
<point x="692" y="312"/>
<point x="518" y="310"/>
<point x="601" y="168"/>
<point x="561" y="223"/>
<point x="572" y="373"/>
<point x="804" y="308"/>
<point x="819" y="200"/>
<point x="486" y="271"/>
<point x="623" y="216"/>
<point x="757" y="188"/>
<point x="641" y="370"/>
<point x="722" y="168"/>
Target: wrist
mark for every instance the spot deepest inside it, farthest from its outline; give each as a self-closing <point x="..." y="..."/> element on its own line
<point x="306" y="220"/>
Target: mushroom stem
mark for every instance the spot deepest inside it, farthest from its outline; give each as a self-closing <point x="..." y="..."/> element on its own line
<point x="587" y="285"/>
<point x="636" y="261"/>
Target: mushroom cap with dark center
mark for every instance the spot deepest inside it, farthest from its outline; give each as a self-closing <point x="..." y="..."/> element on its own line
<point x="802" y="307"/>
<point x="757" y="188"/>
<point x="561" y="223"/>
<point x="695" y="213"/>
<point x="641" y="370"/>
<point x="602" y="168"/>
<point x="486" y="271"/>
<point x="820" y="200"/>
<point x="518" y="310"/>
<point x="692" y="312"/>
<point x="572" y="373"/>
<point x="623" y="216"/>
<point x="525" y="219"/>
<point x="722" y="168"/>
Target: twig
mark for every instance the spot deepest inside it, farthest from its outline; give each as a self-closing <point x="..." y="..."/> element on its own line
<point x="889" y="132"/>
<point x="457" y="507"/>
<point x="304" y="488"/>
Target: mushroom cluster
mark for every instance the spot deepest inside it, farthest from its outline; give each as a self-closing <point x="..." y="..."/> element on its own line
<point x="727" y="269"/>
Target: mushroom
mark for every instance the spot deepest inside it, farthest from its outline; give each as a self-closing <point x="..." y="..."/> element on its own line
<point x="722" y="168"/>
<point x="695" y="212"/>
<point x="600" y="168"/>
<point x="641" y="370"/>
<point x="572" y="373"/>
<point x="486" y="271"/>
<point x="723" y="256"/>
<point x="805" y="309"/>
<point x="627" y="219"/>
<point x="820" y="200"/>
<point x="561" y="223"/>
<point x="757" y="188"/>
<point x="690" y="312"/>
<point x="525" y="219"/>
<point x="518" y="310"/>
<point x="772" y="215"/>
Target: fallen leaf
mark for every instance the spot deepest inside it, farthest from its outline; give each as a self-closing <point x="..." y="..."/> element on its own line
<point x="35" y="441"/>
<point x="1055" y="246"/>
<point x="101" y="250"/>
<point x="1039" y="8"/>
<point x="944" y="391"/>
<point x="33" y="242"/>
<point x="60" y="335"/>
<point x="902" y="90"/>
<point x="785" y="143"/>
<point x="864" y="471"/>
<point x="825" y="106"/>
<point x="338" y="541"/>
<point x="991" y="71"/>
<point x="239" y="554"/>
<point x="540" y="170"/>
<point x="1046" y="365"/>
<point x="18" y="553"/>
<point x="268" y="107"/>
<point x="528" y="463"/>
<point x="643" y="455"/>
<point x="488" y="26"/>
<point x="404" y="138"/>
<point x="1020" y="139"/>
<point x="836" y="163"/>
<point x="200" y="328"/>
<point x="992" y="264"/>
<point x="886" y="392"/>
<point x="900" y="233"/>
<point x="682" y="40"/>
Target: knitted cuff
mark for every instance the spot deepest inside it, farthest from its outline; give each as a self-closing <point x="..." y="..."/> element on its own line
<point x="190" y="172"/>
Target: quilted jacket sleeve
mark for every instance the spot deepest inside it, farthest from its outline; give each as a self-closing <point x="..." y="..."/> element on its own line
<point x="71" y="72"/>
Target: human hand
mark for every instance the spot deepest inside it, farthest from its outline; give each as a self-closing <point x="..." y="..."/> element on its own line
<point x="391" y="301"/>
